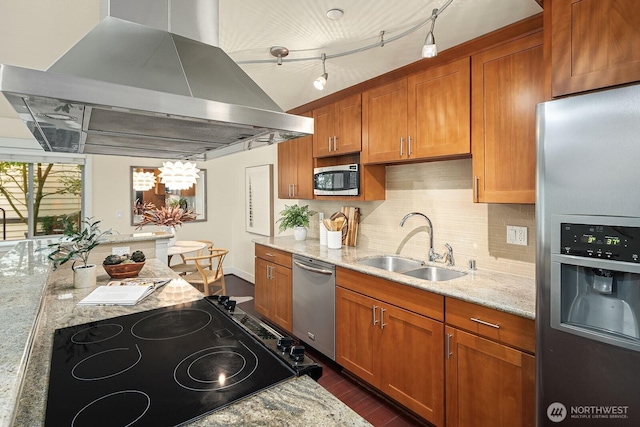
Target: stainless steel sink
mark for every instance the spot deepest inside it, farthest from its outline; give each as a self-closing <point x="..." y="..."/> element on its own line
<point x="391" y="263"/>
<point x="435" y="274"/>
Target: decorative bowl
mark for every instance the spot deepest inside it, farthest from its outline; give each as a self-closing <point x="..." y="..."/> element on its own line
<point x="124" y="270"/>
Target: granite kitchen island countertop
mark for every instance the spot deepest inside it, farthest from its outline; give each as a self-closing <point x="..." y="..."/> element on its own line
<point x="44" y="301"/>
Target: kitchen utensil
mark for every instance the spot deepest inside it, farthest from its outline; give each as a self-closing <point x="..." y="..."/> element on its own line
<point x="342" y="223"/>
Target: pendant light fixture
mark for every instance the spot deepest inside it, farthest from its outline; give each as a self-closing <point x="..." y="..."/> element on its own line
<point x="429" y="50"/>
<point x="321" y="81"/>
<point x="143" y="181"/>
<point x="178" y="175"/>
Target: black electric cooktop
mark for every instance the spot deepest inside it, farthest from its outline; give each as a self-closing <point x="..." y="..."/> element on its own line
<point x="163" y="367"/>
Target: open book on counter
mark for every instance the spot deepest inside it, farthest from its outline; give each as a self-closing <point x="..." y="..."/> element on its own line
<point x="124" y="292"/>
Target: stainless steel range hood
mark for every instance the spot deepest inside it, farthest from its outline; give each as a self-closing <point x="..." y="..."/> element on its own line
<point x="131" y="90"/>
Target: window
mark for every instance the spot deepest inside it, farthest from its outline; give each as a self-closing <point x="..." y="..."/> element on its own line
<point x="38" y="194"/>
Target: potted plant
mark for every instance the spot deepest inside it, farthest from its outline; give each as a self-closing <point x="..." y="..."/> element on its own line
<point x="297" y="218"/>
<point x="76" y="246"/>
<point x="168" y="217"/>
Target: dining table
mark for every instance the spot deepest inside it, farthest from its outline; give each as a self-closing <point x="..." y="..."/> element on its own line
<point x="182" y="247"/>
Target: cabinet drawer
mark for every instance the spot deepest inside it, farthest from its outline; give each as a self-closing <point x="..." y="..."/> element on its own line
<point x="403" y="296"/>
<point x="503" y="327"/>
<point x="274" y="255"/>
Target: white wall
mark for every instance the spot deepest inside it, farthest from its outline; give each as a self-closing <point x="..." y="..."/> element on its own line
<point x="225" y="224"/>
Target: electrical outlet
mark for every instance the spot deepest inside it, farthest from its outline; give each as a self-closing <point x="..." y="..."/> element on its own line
<point x="120" y="250"/>
<point x="516" y="235"/>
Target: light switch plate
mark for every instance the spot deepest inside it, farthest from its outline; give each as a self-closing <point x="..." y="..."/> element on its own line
<point x="516" y="235"/>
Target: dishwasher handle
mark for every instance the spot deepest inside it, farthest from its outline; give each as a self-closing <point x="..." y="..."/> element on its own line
<point x="313" y="269"/>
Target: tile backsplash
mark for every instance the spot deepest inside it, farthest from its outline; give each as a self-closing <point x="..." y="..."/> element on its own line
<point x="443" y="191"/>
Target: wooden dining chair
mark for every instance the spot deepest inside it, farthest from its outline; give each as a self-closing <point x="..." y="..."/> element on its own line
<point x="190" y="267"/>
<point x="209" y="271"/>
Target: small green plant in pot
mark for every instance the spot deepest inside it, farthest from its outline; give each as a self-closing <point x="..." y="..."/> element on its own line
<point x="297" y="218"/>
<point x="76" y="246"/>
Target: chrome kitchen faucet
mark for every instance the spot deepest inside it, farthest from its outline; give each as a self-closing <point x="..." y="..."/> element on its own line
<point x="433" y="256"/>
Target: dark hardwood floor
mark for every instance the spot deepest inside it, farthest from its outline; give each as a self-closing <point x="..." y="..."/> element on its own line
<point x="378" y="411"/>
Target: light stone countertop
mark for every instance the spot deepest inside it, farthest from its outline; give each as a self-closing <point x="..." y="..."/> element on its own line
<point x="504" y="292"/>
<point x="37" y="303"/>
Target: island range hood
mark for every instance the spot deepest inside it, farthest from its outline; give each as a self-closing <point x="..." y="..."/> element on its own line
<point x="131" y="90"/>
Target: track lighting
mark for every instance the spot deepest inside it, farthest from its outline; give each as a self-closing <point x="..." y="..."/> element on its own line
<point x="429" y="50"/>
<point x="279" y="52"/>
<point x="322" y="80"/>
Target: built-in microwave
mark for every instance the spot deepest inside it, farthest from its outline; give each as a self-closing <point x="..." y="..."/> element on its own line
<point x="342" y="180"/>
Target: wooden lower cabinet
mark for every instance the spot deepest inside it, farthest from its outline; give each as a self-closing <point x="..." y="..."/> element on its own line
<point x="395" y="350"/>
<point x="273" y="293"/>
<point x="488" y="384"/>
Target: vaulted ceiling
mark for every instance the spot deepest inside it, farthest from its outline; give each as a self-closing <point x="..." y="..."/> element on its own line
<point x="249" y="28"/>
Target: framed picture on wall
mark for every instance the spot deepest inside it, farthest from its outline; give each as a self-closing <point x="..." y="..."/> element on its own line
<point x="258" y="195"/>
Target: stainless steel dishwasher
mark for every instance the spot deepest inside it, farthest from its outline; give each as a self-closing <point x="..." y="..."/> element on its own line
<point x="314" y="304"/>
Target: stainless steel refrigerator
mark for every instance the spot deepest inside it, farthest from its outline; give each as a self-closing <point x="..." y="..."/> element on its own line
<point x="588" y="260"/>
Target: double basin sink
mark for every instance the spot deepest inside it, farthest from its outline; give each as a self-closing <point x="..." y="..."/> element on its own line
<point x="410" y="267"/>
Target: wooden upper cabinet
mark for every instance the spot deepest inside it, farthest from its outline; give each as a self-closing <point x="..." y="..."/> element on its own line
<point x="295" y="168"/>
<point x="384" y="122"/>
<point x="594" y="44"/>
<point x="439" y="111"/>
<point x="338" y="128"/>
<point x="424" y="116"/>
<point x="506" y="82"/>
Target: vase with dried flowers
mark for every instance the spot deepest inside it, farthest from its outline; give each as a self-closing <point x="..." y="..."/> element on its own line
<point x="168" y="217"/>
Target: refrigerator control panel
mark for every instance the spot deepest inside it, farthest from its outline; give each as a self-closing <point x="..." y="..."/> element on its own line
<point x="600" y="241"/>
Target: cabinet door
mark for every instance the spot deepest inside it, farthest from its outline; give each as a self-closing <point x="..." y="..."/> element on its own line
<point x="295" y="169"/>
<point x="488" y="384"/>
<point x="412" y="366"/>
<point x="439" y="111"/>
<point x="348" y="125"/>
<point x="384" y="123"/>
<point x="507" y="83"/>
<point x="355" y="349"/>
<point x="281" y="298"/>
<point x="287" y="169"/>
<point x="323" y="130"/>
<point x="594" y="44"/>
<point x="303" y="186"/>
<point x="261" y="290"/>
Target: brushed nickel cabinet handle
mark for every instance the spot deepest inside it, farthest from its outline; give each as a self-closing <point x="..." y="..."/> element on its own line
<point x="373" y="310"/>
<point x="269" y="254"/>
<point x="329" y="141"/>
<point x="482" y="322"/>
<point x="448" y="348"/>
<point x="382" y="324"/>
<point x="335" y="144"/>
<point x="409" y="146"/>
<point x="401" y="144"/>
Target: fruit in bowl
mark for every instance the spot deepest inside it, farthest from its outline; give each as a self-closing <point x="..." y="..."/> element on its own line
<point x="124" y="266"/>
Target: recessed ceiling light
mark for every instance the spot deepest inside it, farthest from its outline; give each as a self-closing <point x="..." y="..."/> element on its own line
<point x="335" y="14"/>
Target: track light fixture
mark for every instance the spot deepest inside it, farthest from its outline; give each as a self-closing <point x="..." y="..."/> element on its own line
<point x="429" y="50"/>
<point x="321" y="81"/>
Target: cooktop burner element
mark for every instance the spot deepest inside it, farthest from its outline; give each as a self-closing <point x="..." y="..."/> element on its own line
<point x="174" y="324"/>
<point x="163" y="367"/>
